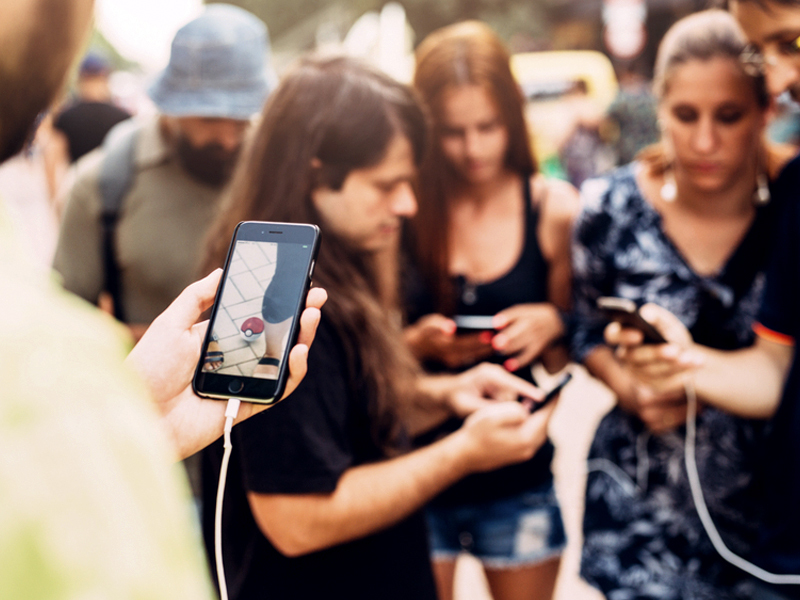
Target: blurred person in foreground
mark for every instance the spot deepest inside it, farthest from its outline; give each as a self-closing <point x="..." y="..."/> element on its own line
<point x="90" y="504"/>
<point x="688" y="225"/>
<point x="323" y="498"/>
<point x="762" y="381"/>
<point x="491" y="239"/>
<point x="136" y="216"/>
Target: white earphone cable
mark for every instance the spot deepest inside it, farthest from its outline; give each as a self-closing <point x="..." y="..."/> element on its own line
<point x="230" y="416"/>
<point x="702" y="508"/>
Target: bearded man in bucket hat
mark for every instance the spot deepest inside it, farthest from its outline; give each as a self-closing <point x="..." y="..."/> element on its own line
<point x="136" y="218"/>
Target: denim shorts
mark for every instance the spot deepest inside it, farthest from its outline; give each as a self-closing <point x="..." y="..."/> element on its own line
<point x="513" y="532"/>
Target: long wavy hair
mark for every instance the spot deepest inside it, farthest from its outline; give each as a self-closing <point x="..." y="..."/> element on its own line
<point x="702" y="36"/>
<point x="328" y="117"/>
<point x="467" y="53"/>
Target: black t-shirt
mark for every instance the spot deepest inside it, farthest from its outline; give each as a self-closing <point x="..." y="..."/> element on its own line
<point x="85" y="124"/>
<point x="303" y="445"/>
<point x="779" y="544"/>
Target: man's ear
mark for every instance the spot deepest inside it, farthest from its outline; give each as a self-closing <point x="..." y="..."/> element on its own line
<point x="324" y="198"/>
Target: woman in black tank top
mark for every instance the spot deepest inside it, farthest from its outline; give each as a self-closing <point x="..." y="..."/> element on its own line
<point x="491" y="239"/>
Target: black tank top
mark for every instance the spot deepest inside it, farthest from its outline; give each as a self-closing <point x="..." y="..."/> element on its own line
<point x="525" y="283"/>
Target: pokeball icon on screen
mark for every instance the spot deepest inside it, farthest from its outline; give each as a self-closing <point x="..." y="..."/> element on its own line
<point x="252" y="329"/>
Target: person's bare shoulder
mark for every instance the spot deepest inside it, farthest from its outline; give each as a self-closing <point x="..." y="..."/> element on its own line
<point x="560" y="203"/>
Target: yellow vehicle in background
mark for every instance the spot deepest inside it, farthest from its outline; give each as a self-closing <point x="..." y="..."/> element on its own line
<point x="563" y="90"/>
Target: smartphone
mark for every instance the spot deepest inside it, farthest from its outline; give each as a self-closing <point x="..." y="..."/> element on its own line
<point x="533" y="406"/>
<point x="626" y="313"/>
<point x="473" y="323"/>
<point x="255" y="319"/>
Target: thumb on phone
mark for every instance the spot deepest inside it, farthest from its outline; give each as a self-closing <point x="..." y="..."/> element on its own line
<point x="667" y="324"/>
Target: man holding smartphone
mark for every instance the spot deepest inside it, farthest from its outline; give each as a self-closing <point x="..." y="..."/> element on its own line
<point x="762" y="381"/>
<point x="90" y="505"/>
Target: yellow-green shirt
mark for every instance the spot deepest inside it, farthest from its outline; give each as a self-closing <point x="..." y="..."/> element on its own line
<point x="90" y="505"/>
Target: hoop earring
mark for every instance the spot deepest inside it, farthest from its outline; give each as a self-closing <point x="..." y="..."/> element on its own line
<point x="761" y="196"/>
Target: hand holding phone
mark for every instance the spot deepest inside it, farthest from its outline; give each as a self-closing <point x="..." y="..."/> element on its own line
<point x="626" y="313"/>
<point x="551" y="395"/>
<point x="255" y="318"/>
<point x="473" y="323"/>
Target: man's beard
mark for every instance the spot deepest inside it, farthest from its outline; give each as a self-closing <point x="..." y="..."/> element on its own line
<point x="211" y="164"/>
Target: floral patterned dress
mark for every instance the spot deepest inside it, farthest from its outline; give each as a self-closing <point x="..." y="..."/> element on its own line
<point x="642" y="536"/>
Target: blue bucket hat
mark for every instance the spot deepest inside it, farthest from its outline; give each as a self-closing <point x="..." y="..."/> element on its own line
<point x="218" y="67"/>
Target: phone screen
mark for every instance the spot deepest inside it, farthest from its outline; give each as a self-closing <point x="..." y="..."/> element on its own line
<point x="254" y="322"/>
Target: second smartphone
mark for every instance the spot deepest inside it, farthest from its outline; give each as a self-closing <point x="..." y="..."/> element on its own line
<point x="255" y="319"/>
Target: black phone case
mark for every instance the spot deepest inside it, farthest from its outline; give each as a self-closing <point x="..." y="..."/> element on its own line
<point x="254" y="389"/>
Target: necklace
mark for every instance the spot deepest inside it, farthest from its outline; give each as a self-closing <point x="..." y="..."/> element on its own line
<point x="469" y="293"/>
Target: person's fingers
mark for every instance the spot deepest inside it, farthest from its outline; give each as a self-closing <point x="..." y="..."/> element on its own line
<point x="470" y="342"/>
<point x="536" y="425"/>
<point x="611" y="333"/>
<point x="666" y="323"/>
<point x="298" y="366"/>
<point x="657" y="370"/>
<point x="630" y="337"/>
<point x="512" y="338"/>
<point x="616" y="335"/>
<point x="316" y="297"/>
<point x="495" y="378"/>
<point x="521" y="354"/>
<point x="465" y="403"/>
<point x="505" y="317"/>
<point x="506" y="414"/>
<point x="648" y="354"/>
<point x="668" y="387"/>
<point x="439" y="324"/>
<point x="467" y="349"/>
<point x="309" y="321"/>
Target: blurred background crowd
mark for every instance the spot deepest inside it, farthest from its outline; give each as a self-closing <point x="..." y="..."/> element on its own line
<point x="585" y="68"/>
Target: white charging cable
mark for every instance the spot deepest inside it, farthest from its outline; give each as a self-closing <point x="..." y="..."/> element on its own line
<point x="702" y="508"/>
<point x="230" y="416"/>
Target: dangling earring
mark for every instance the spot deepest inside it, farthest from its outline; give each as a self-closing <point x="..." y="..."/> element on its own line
<point x="669" y="191"/>
<point x="761" y="196"/>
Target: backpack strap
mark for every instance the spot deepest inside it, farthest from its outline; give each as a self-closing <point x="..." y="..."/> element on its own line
<point x="116" y="177"/>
